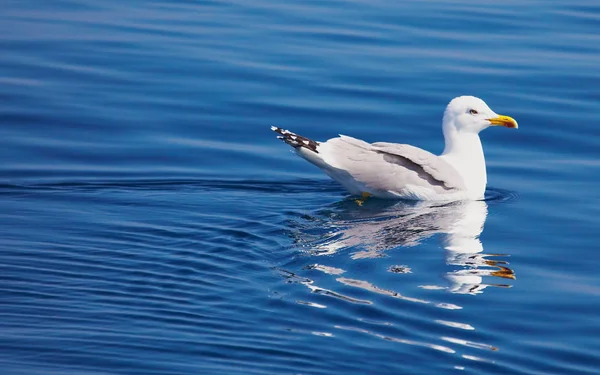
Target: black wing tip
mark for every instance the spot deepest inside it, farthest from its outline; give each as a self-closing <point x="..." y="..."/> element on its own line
<point x="295" y="140"/>
<point x="281" y="131"/>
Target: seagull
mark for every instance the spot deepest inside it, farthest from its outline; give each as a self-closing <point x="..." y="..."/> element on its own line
<point x="401" y="171"/>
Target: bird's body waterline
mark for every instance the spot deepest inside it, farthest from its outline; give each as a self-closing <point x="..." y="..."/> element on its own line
<point x="400" y="171"/>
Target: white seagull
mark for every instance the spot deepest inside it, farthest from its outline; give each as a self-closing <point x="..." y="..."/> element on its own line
<point x="400" y="171"/>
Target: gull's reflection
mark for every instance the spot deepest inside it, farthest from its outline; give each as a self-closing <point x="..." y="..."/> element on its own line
<point x="378" y="226"/>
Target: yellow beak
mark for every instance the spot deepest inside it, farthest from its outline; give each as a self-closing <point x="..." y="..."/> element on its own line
<point x="507" y="121"/>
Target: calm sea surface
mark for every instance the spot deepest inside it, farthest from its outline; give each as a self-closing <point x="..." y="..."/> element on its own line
<point x="153" y="224"/>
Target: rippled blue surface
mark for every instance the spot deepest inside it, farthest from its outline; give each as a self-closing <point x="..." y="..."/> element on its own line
<point x="152" y="224"/>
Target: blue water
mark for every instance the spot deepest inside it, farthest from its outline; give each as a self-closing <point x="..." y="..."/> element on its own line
<point x="152" y="224"/>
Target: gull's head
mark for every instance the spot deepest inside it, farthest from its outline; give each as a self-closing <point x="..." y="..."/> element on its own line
<point x="470" y="114"/>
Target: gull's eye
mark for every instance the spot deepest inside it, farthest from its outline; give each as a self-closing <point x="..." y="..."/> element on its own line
<point x="473" y="112"/>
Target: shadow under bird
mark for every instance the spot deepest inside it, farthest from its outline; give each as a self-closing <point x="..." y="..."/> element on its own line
<point x="401" y="171"/>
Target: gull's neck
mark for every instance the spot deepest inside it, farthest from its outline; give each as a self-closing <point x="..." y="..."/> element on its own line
<point x="464" y="152"/>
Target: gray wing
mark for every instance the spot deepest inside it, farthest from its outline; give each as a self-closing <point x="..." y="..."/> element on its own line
<point x="428" y="165"/>
<point x="390" y="167"/>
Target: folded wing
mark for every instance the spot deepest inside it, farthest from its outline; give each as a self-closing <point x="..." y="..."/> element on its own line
<point x="395" y="170"/>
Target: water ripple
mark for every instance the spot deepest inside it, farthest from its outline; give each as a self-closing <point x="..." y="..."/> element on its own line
<point x="151" y="223"/>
